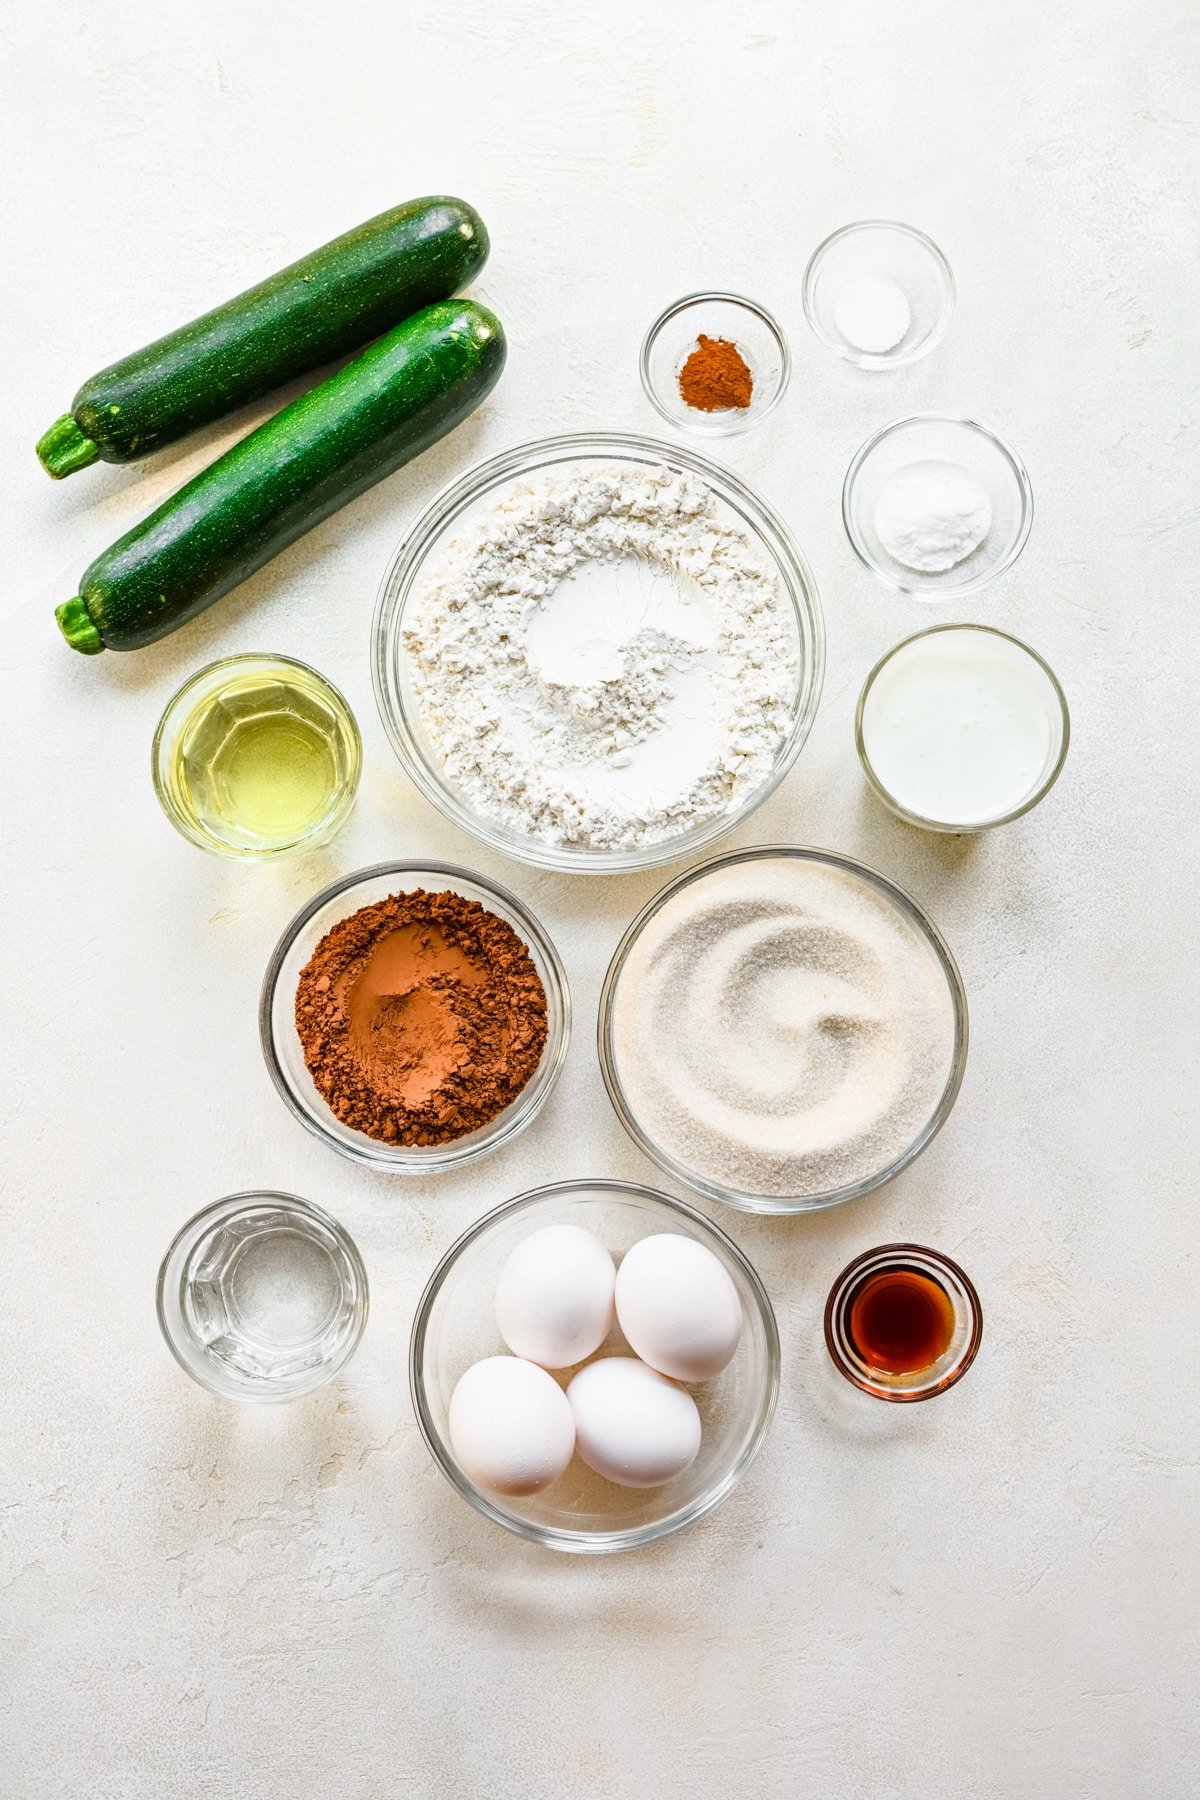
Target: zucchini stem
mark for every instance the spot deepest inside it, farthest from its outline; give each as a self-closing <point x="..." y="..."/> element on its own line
<point x="64" y="448"/>
<point x="75" y="623"/>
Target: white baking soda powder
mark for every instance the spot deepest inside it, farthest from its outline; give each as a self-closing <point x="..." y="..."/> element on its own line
<point x="931" y="515"/>
<point x="961" y="726"/>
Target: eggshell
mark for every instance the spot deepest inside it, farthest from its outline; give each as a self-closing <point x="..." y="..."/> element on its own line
<point x="554" y="1298"/>
<point x="678" y="1307"/>
<point x="632" y="1425"/>
<point x="511" y="1426"/>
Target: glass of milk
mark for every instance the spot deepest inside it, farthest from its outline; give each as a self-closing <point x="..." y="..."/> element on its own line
<point x="962" y="727"/>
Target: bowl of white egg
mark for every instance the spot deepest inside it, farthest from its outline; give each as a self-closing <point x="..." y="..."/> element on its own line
<point x="594" y="1366"/>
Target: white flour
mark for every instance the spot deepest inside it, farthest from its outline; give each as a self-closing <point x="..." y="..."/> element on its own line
<point x="601" y="660"/>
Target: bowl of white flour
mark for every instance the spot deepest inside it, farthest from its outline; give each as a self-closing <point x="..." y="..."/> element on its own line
<point x="598" y="652"/>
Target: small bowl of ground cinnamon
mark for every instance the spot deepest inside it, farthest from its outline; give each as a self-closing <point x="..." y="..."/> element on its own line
<point x="715" y="364"/>
<point x="414" y="1016"/>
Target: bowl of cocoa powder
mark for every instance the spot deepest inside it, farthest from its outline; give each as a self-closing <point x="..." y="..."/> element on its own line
<point x="414" y="1016"/>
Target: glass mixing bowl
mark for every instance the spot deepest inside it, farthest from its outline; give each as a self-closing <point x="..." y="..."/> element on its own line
<point x="480" y="488"/>
<point x="281" y="1041"/>
<point x="909" y="917"/>
<point x="455" y="1326"/>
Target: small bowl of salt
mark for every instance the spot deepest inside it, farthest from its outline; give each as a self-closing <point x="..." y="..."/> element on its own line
<point x="878" y="293"/>
<point x="936" y="507"/>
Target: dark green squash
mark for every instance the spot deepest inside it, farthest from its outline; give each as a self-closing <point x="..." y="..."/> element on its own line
<point x="401" y="395"/>
<point x="320" y="308"/>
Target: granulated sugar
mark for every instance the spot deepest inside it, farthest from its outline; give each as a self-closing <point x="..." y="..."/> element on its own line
<point x="781" y="1028"/>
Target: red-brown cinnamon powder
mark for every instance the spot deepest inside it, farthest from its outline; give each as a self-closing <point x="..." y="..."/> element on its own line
<point x="421" y="1017"/>
<point x="716" y="376"/>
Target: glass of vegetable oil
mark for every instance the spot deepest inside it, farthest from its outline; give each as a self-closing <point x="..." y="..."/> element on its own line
<point x="257" y="756"/>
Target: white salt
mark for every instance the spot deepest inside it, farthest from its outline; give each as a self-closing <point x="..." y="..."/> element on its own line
<point x="872" y="313"/>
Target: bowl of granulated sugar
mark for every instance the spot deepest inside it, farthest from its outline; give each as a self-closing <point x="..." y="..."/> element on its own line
<point x="783" y="1029"/>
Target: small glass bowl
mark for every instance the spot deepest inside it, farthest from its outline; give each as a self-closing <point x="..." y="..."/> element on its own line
<point x="231" y="682"/>
<point x="1057" y="715"/>
<point x="932" y="437"/>
<point x="919" y="1384"/>
<point x="455" y="1326"/>
<point x="675" y="334"/>
<point x="281" y="1041"/>
<point x="262" y="1297"/>
<point x="910" y="915"/>
<point x="428" y="540"/>
<point x="899" y="253"/>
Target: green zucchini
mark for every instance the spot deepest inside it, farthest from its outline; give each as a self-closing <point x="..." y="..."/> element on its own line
<point x="401" y="395"/>
<point x="322" y="307"/>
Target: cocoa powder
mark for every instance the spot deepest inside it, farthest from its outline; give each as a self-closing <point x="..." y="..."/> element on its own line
<point x="421" y="1017"/>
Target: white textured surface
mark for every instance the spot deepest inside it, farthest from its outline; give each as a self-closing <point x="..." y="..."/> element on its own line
<point x="992" y="1595"/>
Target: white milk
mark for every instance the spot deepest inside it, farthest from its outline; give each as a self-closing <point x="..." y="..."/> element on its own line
<point x="962" y="726"/>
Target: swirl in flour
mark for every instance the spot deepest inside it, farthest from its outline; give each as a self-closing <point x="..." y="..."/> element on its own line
<point x="780" y="1028"/>
<point x="604" y="658"/>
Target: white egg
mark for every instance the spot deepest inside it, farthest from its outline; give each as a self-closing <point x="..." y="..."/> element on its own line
<point x="678" y="1307"/>
<point x="632" y="1425"/>
<point x="511" y="1426"/>
<point x="554" y="1299"/>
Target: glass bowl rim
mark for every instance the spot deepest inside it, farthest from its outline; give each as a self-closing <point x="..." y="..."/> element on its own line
<point x="839" y="1287"/>
<point x="339" y="813"/>
<point x="556" y="1537"/>
<point x="708" y="296"/>
<point x="883" y="358"/>
<point x="231" y="1205"/>
<point x="774" y="1205"/>
<point x="915" y="589"/>
<point x="410" y="1159"/>
<point x="528" y="458"/>
<point x="1016" y="812"/>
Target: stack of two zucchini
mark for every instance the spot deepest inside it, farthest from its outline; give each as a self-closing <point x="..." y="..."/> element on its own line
<point x="418" y="380"/>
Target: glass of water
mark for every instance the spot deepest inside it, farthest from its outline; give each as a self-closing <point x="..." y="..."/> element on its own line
<point x="262" y="1296"/>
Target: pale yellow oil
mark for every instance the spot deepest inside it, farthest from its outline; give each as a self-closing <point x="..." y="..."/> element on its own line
<point x="265" y="760"/>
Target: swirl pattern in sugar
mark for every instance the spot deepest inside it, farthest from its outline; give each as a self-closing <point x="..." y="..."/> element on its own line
<point x="781" y="1028"/>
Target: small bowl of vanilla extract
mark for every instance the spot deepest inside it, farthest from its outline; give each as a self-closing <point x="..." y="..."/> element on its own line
<point x="903" y="1322"/>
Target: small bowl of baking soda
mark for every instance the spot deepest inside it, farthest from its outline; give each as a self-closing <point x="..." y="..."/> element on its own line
<point x="936" y="507"/>
<point x="878" y="293"/>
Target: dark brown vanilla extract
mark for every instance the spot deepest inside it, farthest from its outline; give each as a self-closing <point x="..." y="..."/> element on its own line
<point x="899" y="1321"/>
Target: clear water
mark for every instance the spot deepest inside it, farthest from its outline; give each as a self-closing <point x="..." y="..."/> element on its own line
<point x="267" y="1297"/>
